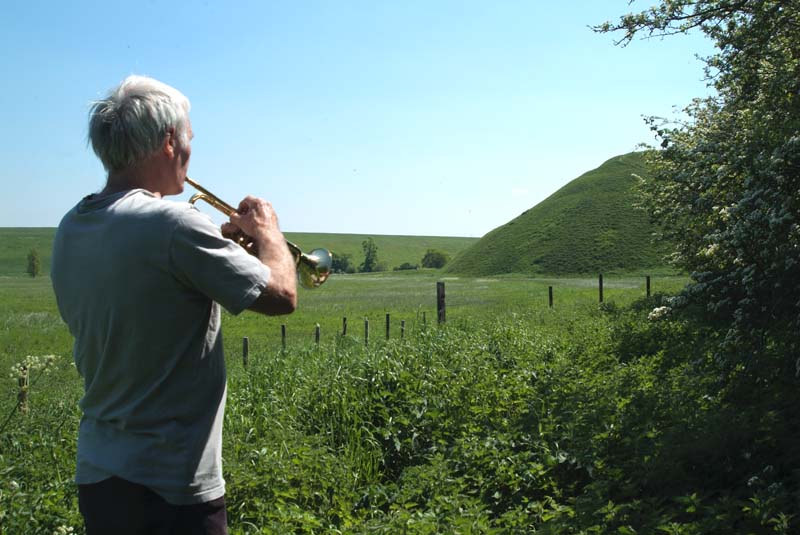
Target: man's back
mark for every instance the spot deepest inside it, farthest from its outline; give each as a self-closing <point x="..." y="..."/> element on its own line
<point x="137" y="280"/>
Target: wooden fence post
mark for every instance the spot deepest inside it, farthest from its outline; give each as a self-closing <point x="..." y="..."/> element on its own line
<point x="283" y="337"/>
<point x="440" y="302"/>
<point x="387" y="326"/>
<point x="402" y="328"/>
<point x="344" y="326"/>
<point x="647" y="284"/>
<point x="366" y="331"/>
<point x="600" y="285"/>
<point x="316" y="335"/>
<point x="245" y="350"/>
<point x="550" y="295"/>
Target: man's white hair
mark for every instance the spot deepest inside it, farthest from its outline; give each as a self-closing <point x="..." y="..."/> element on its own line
<point x="132" y="121"/>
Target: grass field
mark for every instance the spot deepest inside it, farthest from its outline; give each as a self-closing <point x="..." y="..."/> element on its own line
<point x="295" y="426"/>
<point x="31" y="325"/>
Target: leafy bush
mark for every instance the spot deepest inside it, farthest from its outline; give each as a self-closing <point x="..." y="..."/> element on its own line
<point x="34" y="263"/>
<point x="724" y="184"/>
<point x="406" y="266"/>
<point x="434" y="259"/>
<point x="342" y="263"/>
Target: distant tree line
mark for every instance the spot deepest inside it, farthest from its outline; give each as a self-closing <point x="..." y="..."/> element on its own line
<point x="344" y="263"/>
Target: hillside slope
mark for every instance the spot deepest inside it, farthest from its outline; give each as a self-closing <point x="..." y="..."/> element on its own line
<point x="588" y="226"/>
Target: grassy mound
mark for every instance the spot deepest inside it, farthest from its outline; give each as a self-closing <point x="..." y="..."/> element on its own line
<point x="588" y="226"/>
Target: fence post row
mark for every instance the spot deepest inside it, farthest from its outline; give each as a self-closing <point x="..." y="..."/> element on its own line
<point x="440" y="304"/>
<point x="440" y="312"/>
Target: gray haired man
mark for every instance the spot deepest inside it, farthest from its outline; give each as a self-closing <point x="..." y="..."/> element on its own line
<point x="139" y="280"/>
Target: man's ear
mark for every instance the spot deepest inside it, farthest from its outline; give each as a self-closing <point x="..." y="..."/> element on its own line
<point x="168" y="147"/>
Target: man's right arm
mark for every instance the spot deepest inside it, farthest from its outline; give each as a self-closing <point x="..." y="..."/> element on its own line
<point x="258" y="220"/>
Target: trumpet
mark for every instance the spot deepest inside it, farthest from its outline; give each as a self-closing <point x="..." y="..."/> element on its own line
<point x="312" y="268"/>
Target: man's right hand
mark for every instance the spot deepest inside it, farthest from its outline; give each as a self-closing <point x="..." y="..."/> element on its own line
<point x="257" y="220"/>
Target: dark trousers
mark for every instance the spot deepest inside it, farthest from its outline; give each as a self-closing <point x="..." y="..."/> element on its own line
<point x="118" y="507"/>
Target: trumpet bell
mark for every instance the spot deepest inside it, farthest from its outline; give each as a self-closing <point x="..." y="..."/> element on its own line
<point x="314" y="268"/>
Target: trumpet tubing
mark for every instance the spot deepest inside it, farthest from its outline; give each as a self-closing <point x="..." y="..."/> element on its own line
<point x="312" y="268"/>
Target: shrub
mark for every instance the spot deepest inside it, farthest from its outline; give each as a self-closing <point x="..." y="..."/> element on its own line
<point x="34" y="263"/>
<point x="434" y="259"/>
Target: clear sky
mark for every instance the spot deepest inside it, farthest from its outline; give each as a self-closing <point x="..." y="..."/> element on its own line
<point x="429" y="117"/>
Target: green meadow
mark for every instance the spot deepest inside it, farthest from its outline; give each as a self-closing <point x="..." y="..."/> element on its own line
<point x="511" y="417"/>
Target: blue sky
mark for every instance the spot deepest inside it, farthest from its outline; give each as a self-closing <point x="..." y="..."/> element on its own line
<point x="444" y="118"/>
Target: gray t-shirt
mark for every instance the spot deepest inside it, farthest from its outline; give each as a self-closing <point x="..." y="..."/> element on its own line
<point x="139" y="281"/>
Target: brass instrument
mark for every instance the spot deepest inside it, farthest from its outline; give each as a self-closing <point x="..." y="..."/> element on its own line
<point x="312" y="268"/>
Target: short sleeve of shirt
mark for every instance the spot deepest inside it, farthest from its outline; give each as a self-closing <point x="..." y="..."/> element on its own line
<point x="214" y="265"/>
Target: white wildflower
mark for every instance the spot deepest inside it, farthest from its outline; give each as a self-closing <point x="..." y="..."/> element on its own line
<point x="659" y="313"/>
<point x="31" y="364"/>
<point x="710" y="251"/>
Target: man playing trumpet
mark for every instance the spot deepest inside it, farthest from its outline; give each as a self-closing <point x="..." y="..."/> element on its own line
<point x="139" y="280"/>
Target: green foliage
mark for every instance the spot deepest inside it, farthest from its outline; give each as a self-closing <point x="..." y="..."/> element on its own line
<point x="34" y="263"/>
<point x="725" y="184"/>
<point x="405" y="266"/>
<point x="434" y="259"/>
<point x="588" y="226"/>
<point x="370" y="262"/>
<point x="342" y="263"/>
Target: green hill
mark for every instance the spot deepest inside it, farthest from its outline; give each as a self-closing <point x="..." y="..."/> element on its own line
<point x="16" y="243"/>
<point x="588" y="226"/>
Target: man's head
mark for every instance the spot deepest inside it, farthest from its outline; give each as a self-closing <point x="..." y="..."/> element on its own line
<point x="135" y="121"/>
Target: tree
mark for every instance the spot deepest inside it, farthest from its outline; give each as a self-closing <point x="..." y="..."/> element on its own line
<point x="370" y="256"/>
<point x="342" y="263"/>
<point x="434" y="259"/>
<point x="34" y="264"/>
<point x="725" y="184"/>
